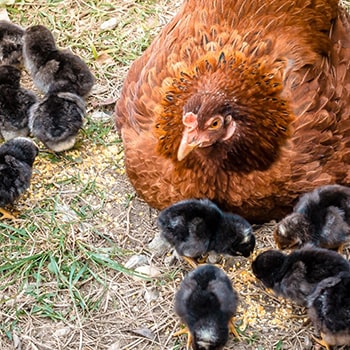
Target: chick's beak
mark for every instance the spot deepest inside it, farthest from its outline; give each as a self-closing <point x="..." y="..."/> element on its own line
<point x="189" y="142"/>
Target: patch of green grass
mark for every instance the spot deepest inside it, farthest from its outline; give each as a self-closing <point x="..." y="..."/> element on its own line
<point x="279" y="345"/>
<point x="97" y="131"/>
<point x="124" y="43"/>
<point x="54" y="269"/>
<point x="64" y="159"/>
<point x="48" y="258"/>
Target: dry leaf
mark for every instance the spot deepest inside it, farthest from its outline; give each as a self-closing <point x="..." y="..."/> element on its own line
<point x="104" y="58"/>
<point x="144" y="332"/>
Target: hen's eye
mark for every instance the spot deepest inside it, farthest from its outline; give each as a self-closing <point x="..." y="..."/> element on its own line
<point x="215" y="124"/>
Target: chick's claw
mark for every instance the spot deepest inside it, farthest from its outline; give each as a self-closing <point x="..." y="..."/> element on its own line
<point x="190" y="261"/>
<point x="195" y="263"/>
<point x="189" y="336"/>
<point x="322" y="342"/>
<point x="232" y="329"/>
<point x="6" y="215"/>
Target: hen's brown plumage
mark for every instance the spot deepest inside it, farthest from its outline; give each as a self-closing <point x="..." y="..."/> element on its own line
<point x="244" y="102"/>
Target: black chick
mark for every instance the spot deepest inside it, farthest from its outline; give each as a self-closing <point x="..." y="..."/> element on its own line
<point x="54" y="70"/>
<point x="11" y="43"/>
<point x="195" y="227"/>
<point x="320" y="217"/>
<point x="14" y="103"/>
<point x="294" y="276"/>
<point x="56" y="120"/>
<point x="329" y="310"/>
<point x="16" y="161"/>
<point x="206" y="303"/>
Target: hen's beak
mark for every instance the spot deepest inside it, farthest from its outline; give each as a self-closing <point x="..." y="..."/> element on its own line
<point x="188" y="143"/>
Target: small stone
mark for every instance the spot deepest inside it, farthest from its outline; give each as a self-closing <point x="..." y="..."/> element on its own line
<point x="67" y="214"/>
<point x="114" y="346"/>
<point x="136" y="260"/>
<point x="213" y="258"/>
<point x="16" y="341"/>
<point x="100" y="116"/>
<point x="61" y="332"/>
<point x="3" y="12"/>
<point x="171" y="258"/>
<point x="148" y="271"/>
<point x="110" y="24"/>
<point x="144" y="332"/>
<point x="151" y="294"/>
<point x="159" y="245"/>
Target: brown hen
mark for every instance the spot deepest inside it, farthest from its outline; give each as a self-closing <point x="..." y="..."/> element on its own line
<point x="244" y="102"/>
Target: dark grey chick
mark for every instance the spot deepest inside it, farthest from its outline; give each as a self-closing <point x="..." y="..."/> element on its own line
<point x="206" y="303"/>
<point x="16" y="161"/>
<point x="11" y="43"/>
<point x="294" y="276"/>
<point x="197" y="226"/>
<point x="320" y="217"/>
<point x="15" y="103"/>
<point x="56" y="120"/>
<point x="54" y="70"/>
<point x="329" y="310"/>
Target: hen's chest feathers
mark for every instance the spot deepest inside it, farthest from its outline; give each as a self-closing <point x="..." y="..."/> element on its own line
<point x="243" y="102"/>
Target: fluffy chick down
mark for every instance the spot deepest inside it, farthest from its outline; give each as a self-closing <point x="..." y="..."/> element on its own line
<point x="15" y="103"/>
<point x="11" y="43"/>
<point x="294" y="276"/>
<point x="195" y="227"/>
<point x="56" y="120"/>
<point x="206" y="302"/>
<point x="320" y="217"/>
<point x="329" y="309"/>
<point x="54" y="70"/>
<point x="16" y="161"/>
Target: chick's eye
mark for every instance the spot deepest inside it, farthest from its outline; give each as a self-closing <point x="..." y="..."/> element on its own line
<point x="215" y="124"/>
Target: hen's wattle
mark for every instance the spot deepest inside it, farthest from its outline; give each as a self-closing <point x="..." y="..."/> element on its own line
<point x="243" y="102"/>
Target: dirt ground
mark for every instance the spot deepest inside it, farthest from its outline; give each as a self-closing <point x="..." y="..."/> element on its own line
<point x="81" y="211"/>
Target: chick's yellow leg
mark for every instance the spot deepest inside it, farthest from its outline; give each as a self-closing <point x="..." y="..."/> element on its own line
<point x="189" y="336"/>
<point x="232" y="328"/>
<point x="194" y="264"/>
<point x="190" y="261"/>
<point x="203" y="259"/>
<point x="340" y="249"/>
<point x="5" y="214"/>
<point x="322" y="342"/>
